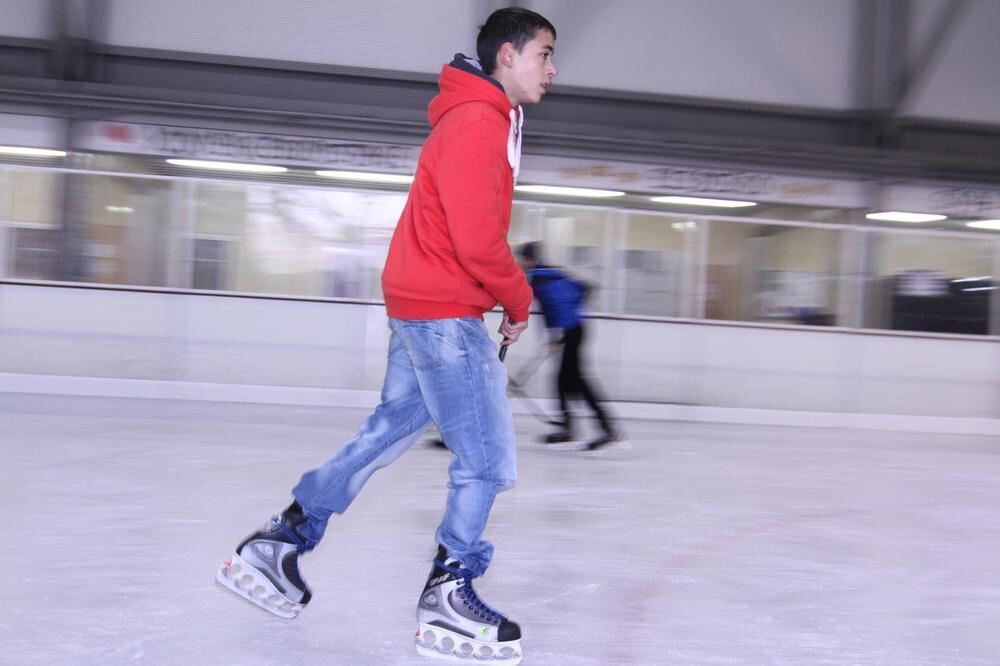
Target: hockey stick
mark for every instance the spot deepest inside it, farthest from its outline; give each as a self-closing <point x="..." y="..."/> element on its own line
<point x="533" y="407"/>
<point x="516" y="386"/>
<point x="529" y="370"/>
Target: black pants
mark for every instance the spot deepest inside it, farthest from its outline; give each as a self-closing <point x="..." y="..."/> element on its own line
<point x="571" y="381"/>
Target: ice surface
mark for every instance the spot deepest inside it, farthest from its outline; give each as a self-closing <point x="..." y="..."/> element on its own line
<point x="700" y="544"/>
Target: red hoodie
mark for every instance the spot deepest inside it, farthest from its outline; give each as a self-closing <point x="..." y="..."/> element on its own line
<point x="449" y="255"/>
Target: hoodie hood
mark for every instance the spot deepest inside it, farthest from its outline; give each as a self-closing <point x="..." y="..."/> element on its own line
<point x="463" y="81"/>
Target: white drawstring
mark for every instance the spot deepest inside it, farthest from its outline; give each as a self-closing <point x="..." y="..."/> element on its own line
<point x="514" y="140"/>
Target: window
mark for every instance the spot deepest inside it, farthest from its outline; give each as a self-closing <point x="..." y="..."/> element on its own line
<point x="293" y="240"/>
<point x="121" y="229"/>
<point x="928" y="282"/>
<point x="580" y="240"/>
<point x="210" y="261"/>
<point x="30" y="210"/>
<point x="771" y="273"/>
<point x="654" y="262"/>
<point x="34" y="253"/>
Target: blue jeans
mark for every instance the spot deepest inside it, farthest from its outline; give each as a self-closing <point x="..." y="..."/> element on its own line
<point x="445" y="370"/>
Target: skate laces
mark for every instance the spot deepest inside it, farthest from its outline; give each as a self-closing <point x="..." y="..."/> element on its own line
<point x="468" y="594"/>
<point x="475" y="604"/>
<point x="301" y="545"/>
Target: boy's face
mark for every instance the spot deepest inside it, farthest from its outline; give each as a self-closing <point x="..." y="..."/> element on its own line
<point x="530" y="71"/>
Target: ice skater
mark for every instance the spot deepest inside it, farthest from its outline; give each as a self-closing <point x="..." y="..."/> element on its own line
<point x="561" y="298"/>
<point x="448" y="263"/>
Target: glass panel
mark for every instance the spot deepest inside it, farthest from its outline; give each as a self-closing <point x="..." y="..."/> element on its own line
<point x="292" y="240"/>
<point x="119" y="230"/>
<point x="930" y="283"/>
<point x="29" y="224"/>
<point x="34" y="253"/>
<point x="771" y="273"/>
<point x="653" y="262"/>
<point x="34" y="197"/>
<point x="575" y="239"/>
<point x="522" y="229"/>
<point x="209" y="256"/>
<point x="115" y="230"/>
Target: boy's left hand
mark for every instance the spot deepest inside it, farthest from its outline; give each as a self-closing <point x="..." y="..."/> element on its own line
<point x="511" y="330"/>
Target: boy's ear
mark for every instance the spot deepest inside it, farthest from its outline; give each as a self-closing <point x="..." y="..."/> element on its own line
<point x="505" y="56"/>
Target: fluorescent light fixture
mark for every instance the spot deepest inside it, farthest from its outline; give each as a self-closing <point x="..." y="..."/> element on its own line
<point x="31" y="152"/>
<point x="119" y="209"/>
<point x="896" y="216"/>
<point x="981" y="289"/>
<point x="699" y="201"/>
<point x="569" y="191"/>
<point x="367" y="177"/>
<point x="985" y="224"/>
<point x="228" y="166"/>
<point x="974" y="279"/>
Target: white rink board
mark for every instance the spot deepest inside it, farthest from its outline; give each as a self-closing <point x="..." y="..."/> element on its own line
<point x="258" y="343"/>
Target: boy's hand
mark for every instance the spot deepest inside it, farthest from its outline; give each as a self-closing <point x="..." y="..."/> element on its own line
<point x="511" y="330"/>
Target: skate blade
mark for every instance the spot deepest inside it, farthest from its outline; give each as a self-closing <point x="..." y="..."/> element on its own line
<point x="616" y="446"/>
<point x="246" y="581"/>
<point x="443" y="645"/>
<point x="572" y="445"/>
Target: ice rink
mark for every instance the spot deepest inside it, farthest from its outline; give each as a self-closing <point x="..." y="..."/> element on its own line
<point x="698" y="544"/>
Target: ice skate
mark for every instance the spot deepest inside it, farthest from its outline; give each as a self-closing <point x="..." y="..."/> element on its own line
<point x="455" y="625"/>
<point x="264" y="569"/>
<point x="609" y="437"/>
<point x="560" y="436"/>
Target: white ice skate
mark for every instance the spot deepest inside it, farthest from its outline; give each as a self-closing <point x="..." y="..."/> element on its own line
<point x="264" y="569"/>
<point x="454" y="625"/>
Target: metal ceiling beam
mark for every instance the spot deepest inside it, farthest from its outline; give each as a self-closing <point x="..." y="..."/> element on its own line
<point x="76" y="29"/>
<point x="891" y="68"/>
<point x="914" y="73"/>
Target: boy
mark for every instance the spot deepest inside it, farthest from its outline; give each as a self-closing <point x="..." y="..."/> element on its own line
<point x="448" y="263"/>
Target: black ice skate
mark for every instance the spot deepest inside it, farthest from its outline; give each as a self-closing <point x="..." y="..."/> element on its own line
<point x="559" y="436"/>
<point x="264" y="569"/>
<point x="455" y="625"/>
<point x="609" y="437"/>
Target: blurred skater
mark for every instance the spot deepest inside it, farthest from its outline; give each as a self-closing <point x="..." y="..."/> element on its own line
<point x="561" y="298"/>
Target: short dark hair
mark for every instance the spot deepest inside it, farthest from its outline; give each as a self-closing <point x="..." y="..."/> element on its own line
<point x="531" y="251"/>
<point x="511" y="24"/>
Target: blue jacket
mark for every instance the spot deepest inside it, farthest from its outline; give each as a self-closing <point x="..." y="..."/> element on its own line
<point x="560" y="296"/>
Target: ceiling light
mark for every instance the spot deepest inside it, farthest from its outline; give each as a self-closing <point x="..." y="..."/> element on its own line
<point x="31" y="152"/>
<point x="119" y="209"/>
<point x="569" y="191"/>
<point x="985" y="224"/>
<point x="228" y="166"/>
<point x="699" y="201"/>
<point x="896" y="216"/>
<point x="366" y="177"/>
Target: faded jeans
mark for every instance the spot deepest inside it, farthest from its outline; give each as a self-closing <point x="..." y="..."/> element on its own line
<point x="445" y="370"/>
